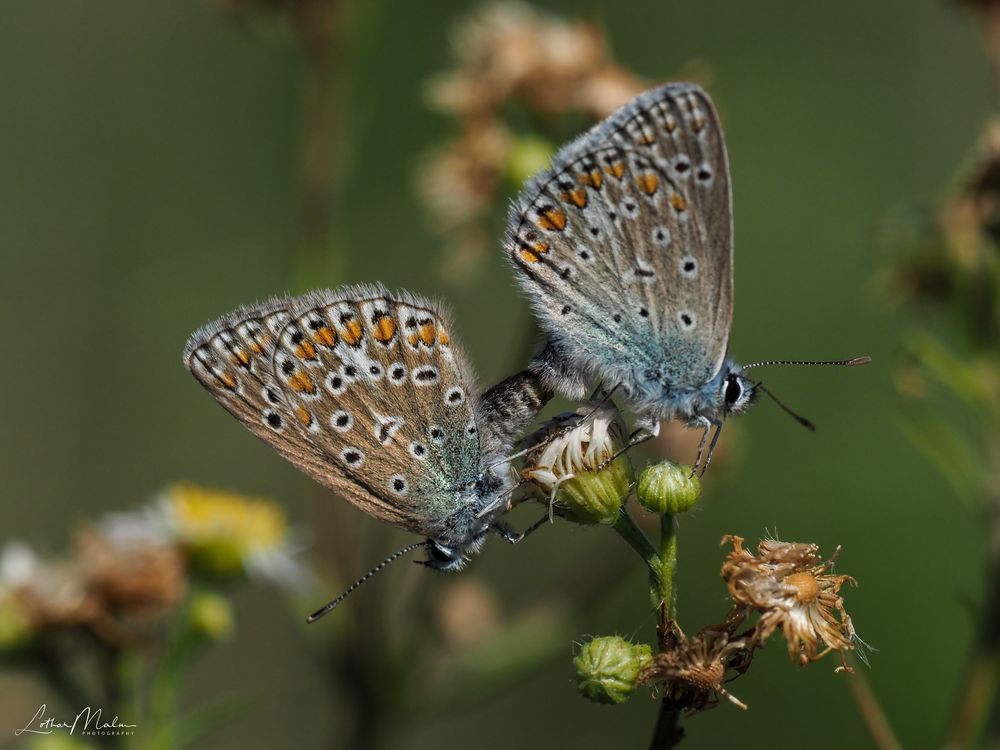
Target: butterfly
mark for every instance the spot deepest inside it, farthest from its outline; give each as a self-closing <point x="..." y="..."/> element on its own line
<point x="624" y="248"/>
<point x="368" y="393"/>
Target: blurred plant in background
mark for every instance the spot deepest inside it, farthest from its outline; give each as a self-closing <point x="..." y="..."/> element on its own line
<point x="523" y="82"/>
<point x="116" y="624"/>
<point x="945" y="268"/>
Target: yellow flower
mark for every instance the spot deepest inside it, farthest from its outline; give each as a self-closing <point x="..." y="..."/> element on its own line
<point x="225" y="533"/>
<point x="789" y="586"/>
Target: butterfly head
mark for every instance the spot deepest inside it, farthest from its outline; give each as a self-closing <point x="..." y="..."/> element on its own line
<point x="441" y="556"/>
<point x="465" y="531"/>
<point x="737" y="392"/>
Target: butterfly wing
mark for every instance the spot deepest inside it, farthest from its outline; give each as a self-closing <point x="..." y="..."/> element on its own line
<point x="362" y="390"/>
<point x="624" y="246"/>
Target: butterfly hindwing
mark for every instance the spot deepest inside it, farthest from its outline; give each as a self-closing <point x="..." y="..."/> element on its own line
<point x="363" y="390"/>
<point x="625" y="245"/>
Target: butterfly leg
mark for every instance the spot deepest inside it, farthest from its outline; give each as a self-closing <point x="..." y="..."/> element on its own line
<point x="641" y="434"/>
<point x="711" y="446"/>
<point x="505" y="533"/>
<point x="706" y="424"/>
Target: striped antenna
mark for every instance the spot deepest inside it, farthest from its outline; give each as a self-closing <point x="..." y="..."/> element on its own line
<point x="852" y="362"/>
<point x="325" y="610"/>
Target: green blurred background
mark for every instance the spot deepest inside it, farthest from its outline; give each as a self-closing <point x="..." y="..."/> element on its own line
<point x="148" y="159"/>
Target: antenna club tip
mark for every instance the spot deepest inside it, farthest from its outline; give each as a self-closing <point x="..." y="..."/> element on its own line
<point x="863" y="360"/>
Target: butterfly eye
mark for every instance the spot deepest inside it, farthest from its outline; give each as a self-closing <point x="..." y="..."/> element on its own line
<point x="733" y="390"/>
<point x="439" y="554"/>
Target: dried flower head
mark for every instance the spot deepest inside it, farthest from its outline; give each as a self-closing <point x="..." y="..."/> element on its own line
<point x="693" y="671"/>
<point x="789" y="586"/>
<point x="46" y="594"/>
<point x="131" y="574"/>
<point x="460" y="181"/>
<point x="510" y="53"/>
<point x="569" y="464"/>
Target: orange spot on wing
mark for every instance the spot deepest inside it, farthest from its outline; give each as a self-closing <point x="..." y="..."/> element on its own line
<point x="385" y="329"/>
<point x="326" y="336"/>
<point x="428" y="332"/>
<point x="240" y="357"/>
<point x="678" y="202"/>
<point x="553" y="219"/>
<point x="648" y="182"/>
<point x="302" y="383"/>
<point x="352" y="333"/>
<point x="645" y="140"/>
<point x="594" y="179"/>
<point x="413" y="339"/>
<point x="671" y="124"/>
<point x="228" y="380"/>
<point x="528" y="256"/>
<point x="305" y="350"/>
<point x="577" y="197"/>
<point x="617" y="169"/>
<point x="443" y="338"/>
<point x="303" y="414"/>
<point x="698" y="124"/>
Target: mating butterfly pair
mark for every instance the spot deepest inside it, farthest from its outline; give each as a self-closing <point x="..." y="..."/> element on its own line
<point x="624" y="249"/>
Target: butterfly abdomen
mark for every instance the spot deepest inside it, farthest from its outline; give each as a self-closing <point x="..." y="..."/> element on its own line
<point x="512" y="404"/>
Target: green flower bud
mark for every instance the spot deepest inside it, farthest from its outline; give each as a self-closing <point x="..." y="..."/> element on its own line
<point x="607" y="668"/>
<point x="595" y="497"/>
<point x="211" y="616"/>
<point x="667" y="487"/>
<point x="526" y="156"/>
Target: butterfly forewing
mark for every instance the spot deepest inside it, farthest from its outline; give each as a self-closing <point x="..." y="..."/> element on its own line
<point x="625" y="245"/>
<point x="363" y="390"/>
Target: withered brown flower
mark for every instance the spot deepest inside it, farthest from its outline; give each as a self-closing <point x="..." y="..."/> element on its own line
<point x="789" y="586"/>
<point x="510" y="50"/>
<point x="132" y="575"/>
<point x="693" y="671"/>
<point x="549" y="67"/>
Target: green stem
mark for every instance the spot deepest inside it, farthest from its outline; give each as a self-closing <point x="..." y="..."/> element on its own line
<point x="668" y="565"/>
<point x="128" y="674"/>
<point x="178" y="652"/>
<point x="638" y="541"/>
<point x="668" y="732"/>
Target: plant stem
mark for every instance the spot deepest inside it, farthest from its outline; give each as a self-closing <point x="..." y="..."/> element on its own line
<point x="632" y="534"/>
<point x="973" y="715"/>
<point x="668" y="732"/>
<point x="668" y="564"/>
<point x="871" y="712"/>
